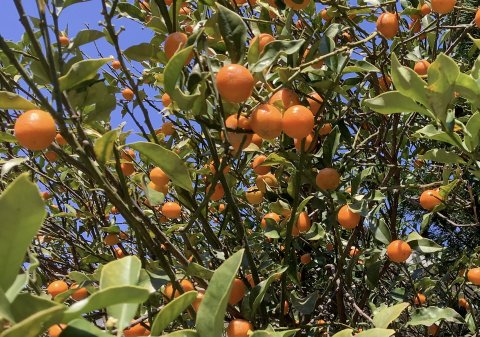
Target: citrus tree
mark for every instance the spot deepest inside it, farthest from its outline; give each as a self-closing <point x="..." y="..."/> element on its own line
<point x="315" y="171"/>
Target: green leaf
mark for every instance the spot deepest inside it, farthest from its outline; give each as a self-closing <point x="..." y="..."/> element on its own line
<point x="273" y="50"/>
<point x="140" y="52"/>
<point x="259" y="291"/>
<point x="468" y="88"/>
<point x="194" y="269"/>
<point x="10" y="164"/>
<point x="344" y="333"/>
<point x="22" y="208"/>
<point x="7" y="137"/>
<point x="360" y="66"/>
<point x="173" y="166"/>
<point x="305" y="305"/>
<point x="10" y="100"/>
<point x="234" y="33"/>
<point x="86" y="36"/>
<point x="113" y="297"/>
<point x="393" y="102"/>
<point x="380" y="231"/>
<point x="431" y="132"/>
<point x="376" y="332"/>
<point x="103" y="146"/>
<point x="472" y="137"/>
<point x="26" y="304"/>
<point x="210" y="316"/>
<point x="422" y="245"/>
<point x="5" y="311"/>
<point x="81" y="71"/>
<point x="408" y="83"/>
<point x="82" y="328"/>
<point x="268" y="333"/>
<point x="22" y="279"/>
<point x="387" y="315"/>
<point x="429" y="315"/>
<point x="183" y="333"/>
<point x="171" y="311"/>
<point x="442" y="156"/>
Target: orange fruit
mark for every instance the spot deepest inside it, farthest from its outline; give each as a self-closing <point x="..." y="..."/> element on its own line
<point x="387" y="25"/>
<point x="127" y="169"/>
<point x="398" y="251"/>
<point x="315" y="102"/>
<point x="184" y="10"/>
<point x="429" y="199"/>
<point x="305" y="259"/>
<point x="166" y="100"/>
<point x="111" y="239"/>
<point x="297" y="6"/>
<point x="213" y="169"/>
<point x="266" y="121"/>
<point x="116" y="65"/>
<point x="324" y="15"/>
<point x="128" y="94"/>
<point x="420" y="299"/>
<point x="257" y="165"/>
<point x="56" y="330"/>
<point x="173" y="43"/>
<point x="170" y="292"/>
<point x="119" y="252"/>
<point x="477" y="18"/>
<point x="284" y="99"/>
<point x="167" y="129"/>
<point x="384" y="83"/>
<point x="60" y="140"/>
<point x="463" y="303"/>
<point x="325" y="129"/>
<point x="425" y="9"/>
<point x="80" y="293"/>
<point x="329" y="247"/>
<point x="128" y="155"/>
<point x="433" y="330"/>
<point x="421" y="67"/>
<point x="171" y="210"/>
<point x="266" y="180"/>
<point x="64" y="41"/>
<point x="274" y="216"/>
<point x="158" y="177"/>
<point x="257" y="140"/>
<point x="57" y="287"/>
<point x="198" y="300"/>
<point x="443" y="6"/>
<point x="327" y="179"/>
<point x="346" y="218"/>
<point x="239" y="328"/>
<point x="238" y="291"/>
<point x="218" y="193"/>
<point x="354" y="251"/>
<point x="135" y="331"/>
<point x="235" y="83"/>
<point x="298" y="122"/>
<point x="309" y="144"/>
<point x="473" y="275"/>
<point x="415" y="26"/>
<point x="303" y="223"/>
<point x="45" y="195"/>
<point x="51" y="156"/>
<point x="123" y="235"/>
<point x="238" y="139"/>
<point x="35" y="129"/>
<point x="263" y="40"/>
<point x="254" y="196"/>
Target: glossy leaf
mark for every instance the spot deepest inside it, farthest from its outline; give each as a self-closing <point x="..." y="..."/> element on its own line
<point x="212" y="308"/>
<point x="267" y="333"/>
<point x="183" y="333"/>
<point x="5" y="311"/>
<point x="274" y="50"/>
<point x="259" y="291"/>
<point x="429" y="315"/>
<point x="387" y="315"/>
<point x="86" y="36"/>
<point x="140" y="52"/>
<point x="393" y="102"/>
<point x="234" y="33"/>
<point x="81" y="71"/>
<point x="408" y="83"/>
<point x="10" y="100"/>
<point x="82" y="328"/>
<point x="422" y="245"/>
<point x="442" y="156"/>
<point x="171" y="311"/>
<point x="361" y="66"/>
<point x="376" y="332"/>
<point x="103" y="146"/>
<point x="344" y="333"/>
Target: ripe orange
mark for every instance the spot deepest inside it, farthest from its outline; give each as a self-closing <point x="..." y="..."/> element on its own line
<point x="56" y="330"/>
<point x="60" y="140"/>
<point x="384" y="82"/>
<point x="398" y="251"/>
<point x="303" y="223"/>
<point x="239" y="328"/>
<point x="238" y="139"/>
<point x="235" y="83"/>
<point x="173" y="43"/>
<point x="166" y="100"/>
<point x="266" y="121"/>
<point x="387" y="25"/>
<point x="266" y="180"/>
<point x="257" y="165"/>
<point x="328" y="179"/>
<point x="167" y="129"/>
<point x="238" y="291"/>
<point x="128" y="94"/>
<point x="257" y="140"/>
<point x="158" y="177"/>
<point x="421" y="67"/>
<point x="128" y="155"/>
<point x="284" y="99"/>
<point x="425" y="9"/>
<point x="169" y="292"/>
<point x="80" y="293"/>
<point x="198" y="300"/>
<point x="477" y="18"/>
<point x="274" y="216"/>
<point x="111" y="239"/>
<point x="64" y="41"/>
<point x="415" y="26"/>
<point x="35" y="129"/>
<point x="429" y="199"/>
<point x="324" y="15"/>
<point x="135" y="331"/>
<point x="463" y="303"/>
<point x="218" y="193"/>
<point x="263" y="40"/>
<point x="254" y="196"/>
<point x="346" y="218"/>
<point x="305" y="259"/>
<point x="473" y="276"/>
<point x="297" y="6"/>
<point x="51" y="156"/>
<point x="57" y="287"/>
<point x="433" y="330"/>
<point x="354" y="251"/>
<point x="315" y="102"/>
<point x="45" y="195"/>
<point x="443" y="6"/>
<point x="309" y="144"/>
<point x="325" y="129"/>
<point x="171" y="210"/>
<point x="298" y="122"/>
<point x="420" y="299"/>
<point x="119" y="252"/>
<point x="116" y="64"/>
<point x="127" y="169"/>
